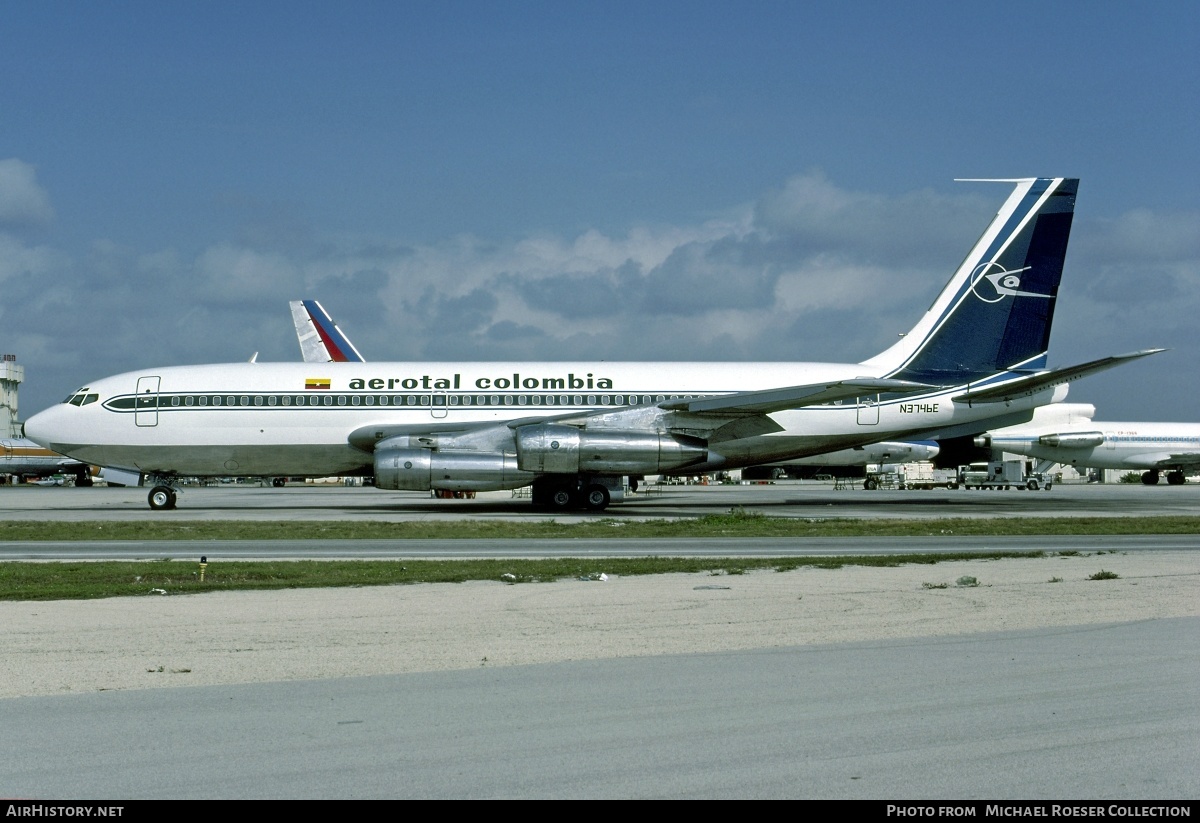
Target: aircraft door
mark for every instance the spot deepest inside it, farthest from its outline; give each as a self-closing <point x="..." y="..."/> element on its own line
<point x="868" y="410"/>
<point x="146" y="408"/>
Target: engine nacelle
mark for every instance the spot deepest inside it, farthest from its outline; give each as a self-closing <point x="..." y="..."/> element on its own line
<point x="550" y="448"/>
<point x="983" y="441"/>
<point x="405" y="469"/>
<point x="1073" y="440"/>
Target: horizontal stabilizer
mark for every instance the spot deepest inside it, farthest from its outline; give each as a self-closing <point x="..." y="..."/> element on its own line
<point x="1034" y="383"/>
<point x="795" y="397"/>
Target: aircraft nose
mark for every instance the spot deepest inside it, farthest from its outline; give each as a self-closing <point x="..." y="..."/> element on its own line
<point x="44" y="426"/>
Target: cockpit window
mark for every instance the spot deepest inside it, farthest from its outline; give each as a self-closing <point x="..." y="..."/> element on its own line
<point x="82" y="398"/>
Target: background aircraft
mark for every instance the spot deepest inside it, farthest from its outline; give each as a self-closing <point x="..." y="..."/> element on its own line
<point x="847" y="462"/>
<point x="1072" y="438"/>
<point x="25" y="459"/>
<point x="321" y="341"/>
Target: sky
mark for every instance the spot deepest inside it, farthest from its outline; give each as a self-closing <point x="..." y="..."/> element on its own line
<point x="584" y="181"/>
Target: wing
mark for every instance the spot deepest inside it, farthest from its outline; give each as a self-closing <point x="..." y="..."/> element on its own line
<point x="1179" y="460"/>
<point x="1041" y="381"/>
<point x="794" y="397"/>
<point x="716" y="419"/>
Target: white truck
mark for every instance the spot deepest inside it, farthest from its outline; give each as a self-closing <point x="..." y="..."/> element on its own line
<point x="924" y="476"/>
<point x="1002" y="474"/>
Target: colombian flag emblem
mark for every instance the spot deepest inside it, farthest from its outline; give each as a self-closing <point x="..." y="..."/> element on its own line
<point x="318" y="383"/>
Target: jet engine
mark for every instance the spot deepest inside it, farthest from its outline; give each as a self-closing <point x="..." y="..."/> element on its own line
<point x="1073" y="440"/>
<point x="553" y="449"/>
<point x="405" y="469"/>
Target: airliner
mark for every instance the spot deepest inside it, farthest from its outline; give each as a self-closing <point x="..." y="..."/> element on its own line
<point x="977" y="359"/>
<point x="1173" y="448"/>
<point x="871" y="454"/>
<point x="23" y="458"/>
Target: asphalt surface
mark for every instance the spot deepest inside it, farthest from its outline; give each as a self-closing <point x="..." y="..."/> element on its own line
<point x="804" y="500"/>
<point x="1090" y="713"/>
<point x="1100" y="713"/>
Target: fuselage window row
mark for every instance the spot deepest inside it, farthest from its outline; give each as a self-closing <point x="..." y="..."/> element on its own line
<point x="282" y="401"/>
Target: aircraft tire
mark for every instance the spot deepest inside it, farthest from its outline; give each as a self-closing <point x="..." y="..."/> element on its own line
<point x="1176" y="479"/>
<point x="161" y="498"/>
<point x="1150" y="478"/>
<point x="560" y="498"/>
<point x="596" y="498"/>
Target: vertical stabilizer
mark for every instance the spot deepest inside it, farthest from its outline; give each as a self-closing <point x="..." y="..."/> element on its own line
<point x="321" y="341"/>
<point x="995" y="313"/>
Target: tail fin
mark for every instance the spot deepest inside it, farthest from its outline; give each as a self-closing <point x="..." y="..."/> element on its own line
<point x="995" y="313"/>
<point x="321" y="341"/>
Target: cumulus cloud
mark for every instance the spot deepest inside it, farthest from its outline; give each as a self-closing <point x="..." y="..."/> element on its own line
<point x="22" y="201"/>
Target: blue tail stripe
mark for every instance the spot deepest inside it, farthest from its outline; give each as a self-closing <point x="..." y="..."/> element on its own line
<point x="1002" y="313"/>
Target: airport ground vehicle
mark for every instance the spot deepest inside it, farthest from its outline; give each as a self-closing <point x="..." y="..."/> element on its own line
<point x="1002" y="474"/>
<point x="924" y="476"/>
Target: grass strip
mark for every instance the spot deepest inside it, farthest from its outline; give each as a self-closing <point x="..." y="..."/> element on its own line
<point x="736" y="523"/>
<point x="101" y="579"/>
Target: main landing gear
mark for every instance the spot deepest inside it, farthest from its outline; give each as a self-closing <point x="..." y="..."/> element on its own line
<point x="1174" y="478"/>
<point x="561" y="494"/>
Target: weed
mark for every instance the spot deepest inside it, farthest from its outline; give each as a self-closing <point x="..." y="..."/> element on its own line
<point x="1054" y="580"/>
<point x="967" y="580"/>
<point x="1103" y="575"/>
<point x="935" y="585"/>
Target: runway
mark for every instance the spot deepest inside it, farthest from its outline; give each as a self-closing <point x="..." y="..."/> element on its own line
<point x="795" y="499"/>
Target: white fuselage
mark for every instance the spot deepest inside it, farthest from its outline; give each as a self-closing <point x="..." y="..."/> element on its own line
<point x="297" y="419"/>
<point x="24" y="458"/>
<point x="1107" y="445"/>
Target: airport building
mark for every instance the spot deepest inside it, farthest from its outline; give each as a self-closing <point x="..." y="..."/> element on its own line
<point x="11" y="376"/>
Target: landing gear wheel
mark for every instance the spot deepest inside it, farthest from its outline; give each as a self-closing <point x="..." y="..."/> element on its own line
<point x="1150" y="478"/>
<point x="161" y="498"/>
<point x="597" y="498"/>
<point x="560" y="498"/>
<point x="1176" y="478"/>
<point x="279" y="482"/>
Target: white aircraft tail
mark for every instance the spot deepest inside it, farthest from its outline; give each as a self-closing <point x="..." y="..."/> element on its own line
<point x="321" y="341"/>
<point x="994" y="315"/>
